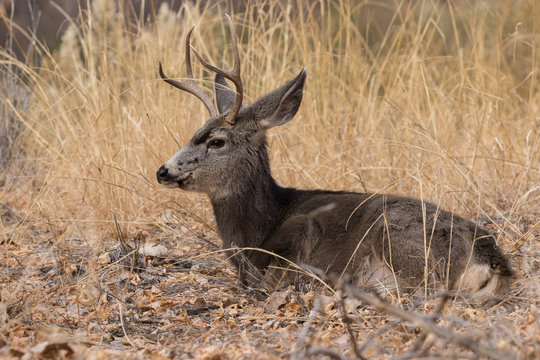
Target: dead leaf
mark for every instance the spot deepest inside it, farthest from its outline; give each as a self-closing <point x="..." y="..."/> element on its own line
<point x="291" y="309"/>
<point x="53" y="350"/>
<point x="341" y="340"/>
<point x="104" y="259"/>
<point x="292" y="326"/>
<point x="269" y="324"/>
<point x="370" y="353"/>
<point x="154" y="250"/>
<point x="277" y="299"/>
<point x="17" y="332"/>
<point x="307" y="298"/>
<point x="325" y="302"/>
<point x="530" y="318"/>
<point x="212" y="353"/>
<point x="3" y="314"/>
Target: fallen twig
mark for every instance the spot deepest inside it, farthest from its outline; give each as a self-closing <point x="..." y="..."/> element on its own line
<point x="122" y="323"/>
<point x="347" y="322"/>
<point x="425" y="323"/>
<point x="421" y="341"/>
<point x="305" y="331"/>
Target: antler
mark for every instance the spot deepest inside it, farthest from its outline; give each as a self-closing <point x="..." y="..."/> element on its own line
<point x="190" y="85"/>
<point x="233" y="75"/>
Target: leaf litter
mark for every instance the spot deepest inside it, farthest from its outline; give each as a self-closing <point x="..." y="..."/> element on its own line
<point x="164" y="293"/>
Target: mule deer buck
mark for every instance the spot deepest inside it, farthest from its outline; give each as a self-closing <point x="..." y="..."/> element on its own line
<point x="376" y="239"/>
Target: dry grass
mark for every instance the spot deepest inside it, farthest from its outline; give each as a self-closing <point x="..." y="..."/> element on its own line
<point x="437" y="100"/>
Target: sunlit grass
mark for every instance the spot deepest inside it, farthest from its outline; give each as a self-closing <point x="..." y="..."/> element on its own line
<point x="426" y="99"/>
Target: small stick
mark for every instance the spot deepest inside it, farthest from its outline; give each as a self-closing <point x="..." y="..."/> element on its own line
<point x="347" y="320"/>
<point x="422" y="338"/>
<point x="122" y="323"/>
<point x="305" y="330"/>
<point x="426" y="324"/>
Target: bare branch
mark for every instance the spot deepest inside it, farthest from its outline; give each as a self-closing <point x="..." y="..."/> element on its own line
<point x="425" y="323"/>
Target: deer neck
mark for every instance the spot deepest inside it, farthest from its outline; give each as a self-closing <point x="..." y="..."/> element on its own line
<point x="249" y="208"/>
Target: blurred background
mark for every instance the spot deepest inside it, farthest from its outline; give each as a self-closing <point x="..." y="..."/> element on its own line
<point x="435" y="99"/>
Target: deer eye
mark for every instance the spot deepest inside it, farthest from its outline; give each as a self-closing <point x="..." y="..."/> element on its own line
<point x="216" y="144"/>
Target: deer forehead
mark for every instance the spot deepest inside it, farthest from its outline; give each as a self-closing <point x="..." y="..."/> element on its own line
<point x="211" y="128"/>
<point x="217" y="127"/>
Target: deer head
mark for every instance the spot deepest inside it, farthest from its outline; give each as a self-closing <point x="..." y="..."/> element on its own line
<point x="230" y="148"/>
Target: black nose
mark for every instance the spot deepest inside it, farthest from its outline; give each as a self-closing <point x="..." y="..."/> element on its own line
<point x="162" y="173"/>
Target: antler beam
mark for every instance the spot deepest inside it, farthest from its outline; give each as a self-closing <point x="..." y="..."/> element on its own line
<point x="190" y="85"/>
<point x="233" y="75"/>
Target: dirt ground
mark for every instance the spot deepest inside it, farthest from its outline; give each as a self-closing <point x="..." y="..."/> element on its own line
<point x="168" y="292"/>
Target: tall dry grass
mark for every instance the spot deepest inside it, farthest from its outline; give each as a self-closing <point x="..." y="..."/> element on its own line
<point x="437" y="100"/>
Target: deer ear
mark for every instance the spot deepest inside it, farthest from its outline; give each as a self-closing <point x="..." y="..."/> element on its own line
<point x="282" y="104"/>
<point x="225" y="96"/>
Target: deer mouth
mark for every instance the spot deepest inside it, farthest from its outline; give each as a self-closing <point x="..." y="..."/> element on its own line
<point x="175" y="183"/>
<point x="182" y="182"/>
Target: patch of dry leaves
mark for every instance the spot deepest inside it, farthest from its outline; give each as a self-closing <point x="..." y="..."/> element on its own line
<point x="168" y="292"/>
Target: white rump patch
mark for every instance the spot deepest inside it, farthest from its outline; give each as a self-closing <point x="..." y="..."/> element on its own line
<point x="481" y="281"/>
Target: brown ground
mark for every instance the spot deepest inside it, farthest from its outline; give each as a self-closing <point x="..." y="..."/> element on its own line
<point x="181" y="300"/>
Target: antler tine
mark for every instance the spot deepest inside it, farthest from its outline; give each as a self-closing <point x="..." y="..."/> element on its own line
<point x="189" y="84"/>
<point x="233" y="75"/>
